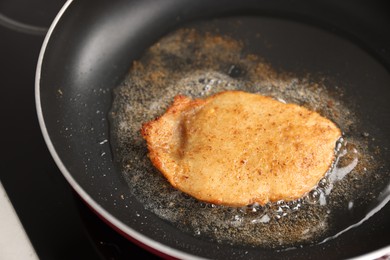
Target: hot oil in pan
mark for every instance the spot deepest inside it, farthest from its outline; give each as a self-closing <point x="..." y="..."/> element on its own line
<point x="198" y="64"/>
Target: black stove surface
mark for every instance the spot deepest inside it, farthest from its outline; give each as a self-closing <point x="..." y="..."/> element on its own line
<point x="57" y="222"/>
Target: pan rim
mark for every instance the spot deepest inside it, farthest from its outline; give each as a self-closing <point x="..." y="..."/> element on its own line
<point x="145" y="240"/>
<point x="377" y="254"/>
<point x="148" y="242"/>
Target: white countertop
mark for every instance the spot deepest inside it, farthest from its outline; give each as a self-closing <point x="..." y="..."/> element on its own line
<point x="14" y="243"/>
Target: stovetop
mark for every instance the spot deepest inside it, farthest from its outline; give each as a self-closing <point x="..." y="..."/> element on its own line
<point x="56" y="221"/>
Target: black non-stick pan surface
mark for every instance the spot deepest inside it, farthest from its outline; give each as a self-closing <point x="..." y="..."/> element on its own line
<point x="92" y="44"/>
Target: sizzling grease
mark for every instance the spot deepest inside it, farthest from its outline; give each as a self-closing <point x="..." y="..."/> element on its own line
<point x="197" y="64"/>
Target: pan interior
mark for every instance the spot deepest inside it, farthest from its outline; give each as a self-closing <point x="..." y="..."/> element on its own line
<point x="212" y="56"/>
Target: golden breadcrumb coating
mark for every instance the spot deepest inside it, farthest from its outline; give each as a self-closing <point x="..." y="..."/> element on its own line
<point x="236" y="148"/>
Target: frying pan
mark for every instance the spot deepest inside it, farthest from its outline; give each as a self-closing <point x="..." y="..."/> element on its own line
<point x="92" y="44"/>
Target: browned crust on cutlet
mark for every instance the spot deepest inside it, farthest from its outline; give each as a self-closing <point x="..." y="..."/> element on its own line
<point x="152" y="132"/>
<point x="236" y="148"/>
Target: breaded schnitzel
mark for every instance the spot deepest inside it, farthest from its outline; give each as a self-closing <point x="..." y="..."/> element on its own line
<point x="236" y="148"/>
